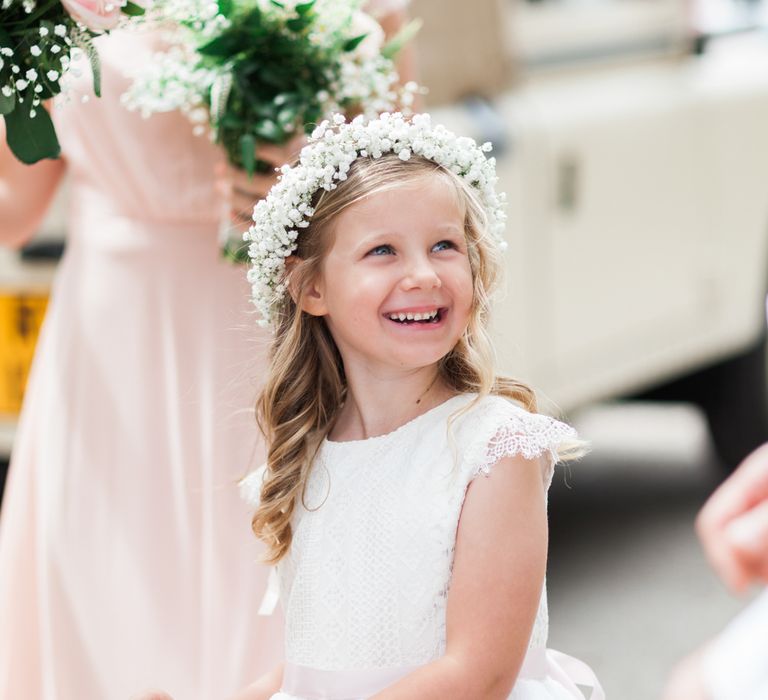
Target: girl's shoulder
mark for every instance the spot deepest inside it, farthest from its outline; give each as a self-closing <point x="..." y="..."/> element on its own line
<point x="489" y="428"/>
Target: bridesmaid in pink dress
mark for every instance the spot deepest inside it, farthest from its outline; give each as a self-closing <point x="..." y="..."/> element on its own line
<point x="126" y="558"/>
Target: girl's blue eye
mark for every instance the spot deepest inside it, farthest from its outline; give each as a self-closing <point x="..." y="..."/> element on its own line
<point x="381" y="250"/>
<point x="444" y="245"/>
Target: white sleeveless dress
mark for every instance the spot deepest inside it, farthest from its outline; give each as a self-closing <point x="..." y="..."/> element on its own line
<point x="365" y="584"/>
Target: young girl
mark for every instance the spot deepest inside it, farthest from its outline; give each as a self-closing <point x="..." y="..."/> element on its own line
<point x="404" y="495"/>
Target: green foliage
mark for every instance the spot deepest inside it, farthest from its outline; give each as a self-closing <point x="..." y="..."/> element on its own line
<point x="39" y="57"/>
<point x="133" y="10"/>
<point x="7" y="103"/>
<point x="277" y="74"/>
<point x="354" y="42"/>
<point x="31" y="138"/>
<point x="404" y="36"/>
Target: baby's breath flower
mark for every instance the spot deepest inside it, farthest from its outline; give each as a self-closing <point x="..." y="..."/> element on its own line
<point x="325" y="161"/>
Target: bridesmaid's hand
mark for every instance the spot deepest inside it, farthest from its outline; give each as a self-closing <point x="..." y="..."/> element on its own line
<point x="733" y="525"/>
<point x="241" y="191"/>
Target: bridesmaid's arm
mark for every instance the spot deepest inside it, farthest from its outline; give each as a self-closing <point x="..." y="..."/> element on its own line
<point x="498" y="576"/>
<point x="26" y="192"/>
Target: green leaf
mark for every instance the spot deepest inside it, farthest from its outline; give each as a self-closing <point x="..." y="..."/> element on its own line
<point x="406" y="34"/>
<point x="93" y="57"/>
<point x="304" y="7"/>
<point x="7" y="103"/>
<point x="354" y="42"/>
<point x="298" y="24"/>
<point x="225" y="7"/>
<point x="224" y="46"/>
<point x="31" y="138"/>
<point x="132" y="9"/>
<point x="278" y="4"/>
<point x="248" y="153"/>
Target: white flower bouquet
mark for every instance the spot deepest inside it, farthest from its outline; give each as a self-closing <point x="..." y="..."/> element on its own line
<point x="246" y="71"/>
<point x="39" y="41"/>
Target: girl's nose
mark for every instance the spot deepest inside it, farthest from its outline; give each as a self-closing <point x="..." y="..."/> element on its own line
<point x="421" y="274"/>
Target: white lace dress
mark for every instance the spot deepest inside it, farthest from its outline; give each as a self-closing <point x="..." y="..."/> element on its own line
<point x="365" y="584"/>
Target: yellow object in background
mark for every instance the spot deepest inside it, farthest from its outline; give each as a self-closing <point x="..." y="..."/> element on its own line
<point x="21" y="315"/>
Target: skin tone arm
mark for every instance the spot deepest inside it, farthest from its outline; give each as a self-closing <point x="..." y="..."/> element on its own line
<point x="26" y="192"/>
<point x="733" y="529"/>
<point x="496" y="586"/>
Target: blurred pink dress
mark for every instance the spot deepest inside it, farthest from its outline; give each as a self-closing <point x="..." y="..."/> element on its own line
<point x="126" y="557"/>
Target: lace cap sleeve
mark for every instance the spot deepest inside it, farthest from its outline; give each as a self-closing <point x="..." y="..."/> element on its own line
<point x="503" y="429"/>
<point x="250" y="486"/>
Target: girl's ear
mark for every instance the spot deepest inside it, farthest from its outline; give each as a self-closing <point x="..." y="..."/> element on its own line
<point x="313" y="300"/>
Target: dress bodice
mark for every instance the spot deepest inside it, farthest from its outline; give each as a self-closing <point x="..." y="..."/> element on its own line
<point x="152" y="169"/>
<point x="365" y="582"/>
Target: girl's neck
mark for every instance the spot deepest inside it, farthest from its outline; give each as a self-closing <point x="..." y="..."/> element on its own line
<point x="378" y="406"/>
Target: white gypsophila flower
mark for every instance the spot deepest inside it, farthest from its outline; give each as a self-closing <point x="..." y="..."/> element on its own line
<point x="35" y="50"/>
<point x="52" y="75"/>
<point x="169" y="82"/>
<point x="325" y="161"/>
<point x="60" y="30"/>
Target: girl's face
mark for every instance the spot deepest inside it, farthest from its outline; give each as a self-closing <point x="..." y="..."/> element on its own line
<point x="396" y="286"/>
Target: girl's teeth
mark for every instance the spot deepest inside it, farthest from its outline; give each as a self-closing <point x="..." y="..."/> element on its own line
<point x="426" y="316"/>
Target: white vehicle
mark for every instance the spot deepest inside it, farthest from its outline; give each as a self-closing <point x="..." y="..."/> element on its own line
<point x="636" y="162"/>
<point x="635" y="156"/>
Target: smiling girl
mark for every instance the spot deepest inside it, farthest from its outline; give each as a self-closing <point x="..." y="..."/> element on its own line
<point x="404" y="495"/>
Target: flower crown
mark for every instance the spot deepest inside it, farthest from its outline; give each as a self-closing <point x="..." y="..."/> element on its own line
<point x="324" y="162"/>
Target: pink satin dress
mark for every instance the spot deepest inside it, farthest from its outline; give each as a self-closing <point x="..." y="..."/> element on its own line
<point x="126" y="556"/>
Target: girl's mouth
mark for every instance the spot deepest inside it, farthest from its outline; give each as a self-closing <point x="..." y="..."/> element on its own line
<point x="424" y="318"/>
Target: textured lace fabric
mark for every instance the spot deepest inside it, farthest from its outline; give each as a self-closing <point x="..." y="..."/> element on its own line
<point x="366" y="581"/>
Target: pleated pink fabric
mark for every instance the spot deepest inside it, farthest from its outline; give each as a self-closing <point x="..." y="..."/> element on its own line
<point x="126" y="557"/>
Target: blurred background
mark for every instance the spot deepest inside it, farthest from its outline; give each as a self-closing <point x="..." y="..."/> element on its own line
<point x="632" y="141"/>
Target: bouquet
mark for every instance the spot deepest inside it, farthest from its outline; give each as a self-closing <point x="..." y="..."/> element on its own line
<point x="260" y="70"/>
<point x="39" y="41"/>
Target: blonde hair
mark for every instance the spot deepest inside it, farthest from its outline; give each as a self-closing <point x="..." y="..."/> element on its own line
<point x="306" y="385"/>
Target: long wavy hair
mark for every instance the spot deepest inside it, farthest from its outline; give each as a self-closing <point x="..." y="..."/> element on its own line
<point x="306" y="384"/>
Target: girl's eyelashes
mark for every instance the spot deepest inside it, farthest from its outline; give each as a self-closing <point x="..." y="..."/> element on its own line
<point x="444" y="245"/>
<point x="384" y="249"/>
<point x="387" y="249"/>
